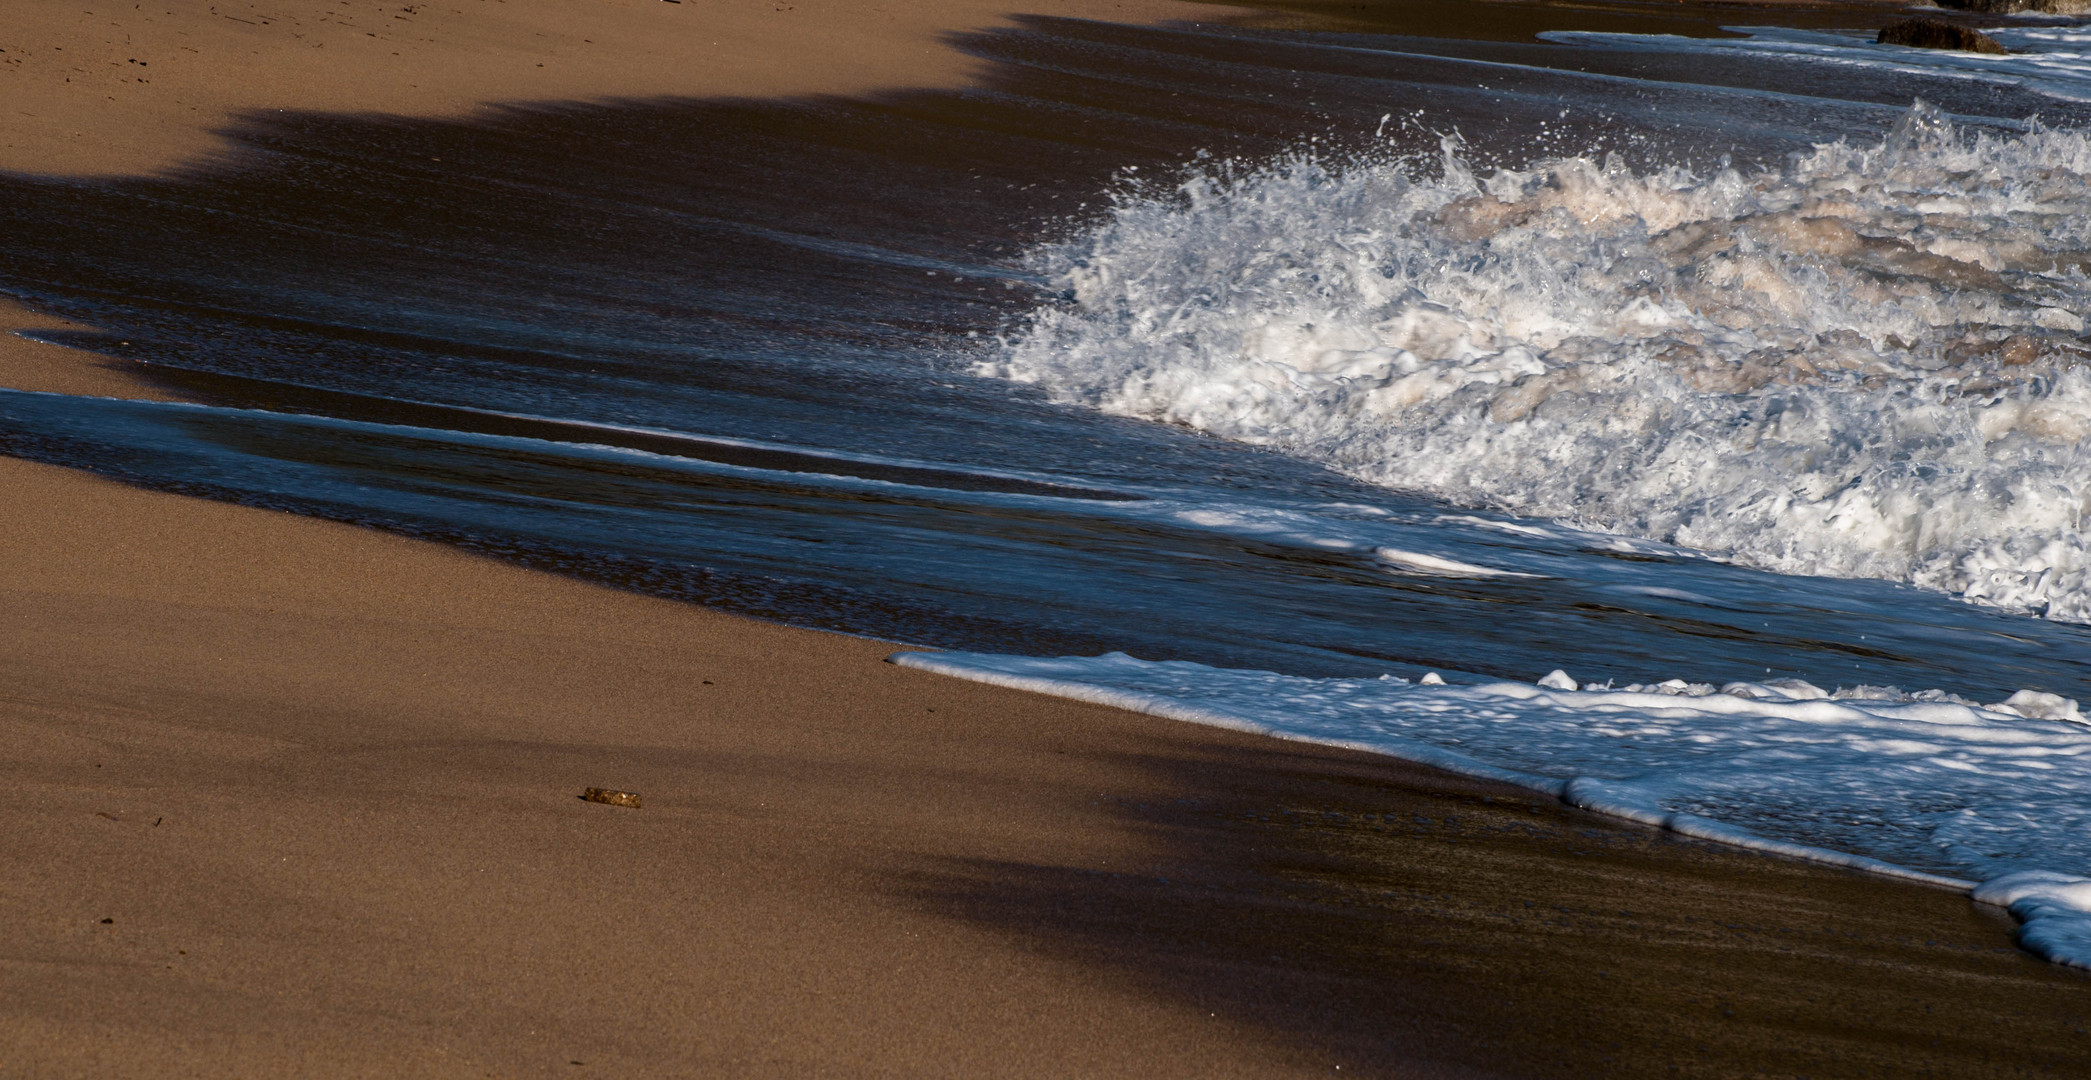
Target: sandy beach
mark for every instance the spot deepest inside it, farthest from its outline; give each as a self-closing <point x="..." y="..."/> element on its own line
<point x="132" y="91"/>
<point x="288" y="797"/>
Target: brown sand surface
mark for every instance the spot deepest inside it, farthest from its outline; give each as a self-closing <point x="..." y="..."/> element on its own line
<point x="27" y="364"/>
<point x="99" y="87"/>
<point x="102" y="87"/>
<point x="286" y="798"/>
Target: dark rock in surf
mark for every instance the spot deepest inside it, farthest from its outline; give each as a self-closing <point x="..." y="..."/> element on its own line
<point x="1933" y="34"/>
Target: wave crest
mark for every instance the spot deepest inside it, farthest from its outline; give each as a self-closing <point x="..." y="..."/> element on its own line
<point x="1870" y="362"/>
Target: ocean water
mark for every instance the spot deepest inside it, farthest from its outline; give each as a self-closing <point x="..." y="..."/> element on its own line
<point x="1351" y="386"/>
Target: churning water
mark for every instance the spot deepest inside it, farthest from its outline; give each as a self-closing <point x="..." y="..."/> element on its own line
<point x="1349" y="382"/>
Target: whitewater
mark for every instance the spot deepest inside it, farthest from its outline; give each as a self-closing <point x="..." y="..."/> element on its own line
<point x="1420" y="416"/>
<point x="1867" y="362"/>
<point x="1993" y="800"/>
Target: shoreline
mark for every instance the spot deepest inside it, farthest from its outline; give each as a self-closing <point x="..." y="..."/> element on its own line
<point x="325" y="782"/>
<point x="302" y="797"/>
<point x="1459" y="764"/>
<point x="144" y="93"/>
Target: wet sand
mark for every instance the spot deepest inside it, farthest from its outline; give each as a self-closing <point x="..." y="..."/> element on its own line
<point x="290" y="797"/>
<point x="1520" y="20"/>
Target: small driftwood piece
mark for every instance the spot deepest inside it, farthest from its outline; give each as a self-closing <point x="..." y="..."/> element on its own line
<point x="613" y="798"/>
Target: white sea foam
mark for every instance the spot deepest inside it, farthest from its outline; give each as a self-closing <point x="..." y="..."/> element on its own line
<point x="1868" y="363"/>
<point x="1417" y="562"/>
<point x="1926" y="786"/>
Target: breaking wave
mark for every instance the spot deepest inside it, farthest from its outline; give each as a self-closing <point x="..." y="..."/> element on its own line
<point x="1870" y="362"/>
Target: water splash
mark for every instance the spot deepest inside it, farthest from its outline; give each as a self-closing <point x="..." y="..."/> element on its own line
<point x="1988" y="799"/>
<point x="1870" y="362"/>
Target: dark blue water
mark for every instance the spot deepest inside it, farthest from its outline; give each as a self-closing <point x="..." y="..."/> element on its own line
<point x="719" y="351"/>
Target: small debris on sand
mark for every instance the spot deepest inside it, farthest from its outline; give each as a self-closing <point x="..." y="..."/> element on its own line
<point x="613" y="798"/>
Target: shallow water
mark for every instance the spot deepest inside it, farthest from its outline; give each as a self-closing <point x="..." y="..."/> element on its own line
<point x="893" y="366"/>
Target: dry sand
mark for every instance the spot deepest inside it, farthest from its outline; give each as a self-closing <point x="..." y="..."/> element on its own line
<point x="284" y="797"/>
<point x="101" y="87"/>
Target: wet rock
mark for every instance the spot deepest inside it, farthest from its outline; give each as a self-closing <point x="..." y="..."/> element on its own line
<point x="1933" y="34"/>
